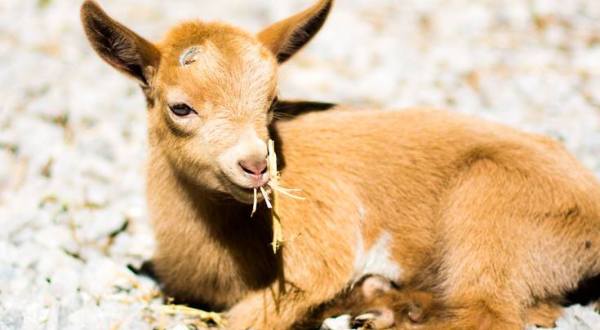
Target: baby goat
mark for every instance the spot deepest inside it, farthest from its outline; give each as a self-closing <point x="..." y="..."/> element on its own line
<point x="506" y="219"/>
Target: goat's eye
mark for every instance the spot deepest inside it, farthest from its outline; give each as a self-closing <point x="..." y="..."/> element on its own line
<point x="181" y="109"/>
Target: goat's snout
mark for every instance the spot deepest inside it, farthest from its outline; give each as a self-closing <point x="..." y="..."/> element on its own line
<point x="256" y="167"/>
<point x="244" y="164"/>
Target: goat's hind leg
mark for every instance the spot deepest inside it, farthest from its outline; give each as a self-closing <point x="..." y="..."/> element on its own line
<point x="499" y="248"/>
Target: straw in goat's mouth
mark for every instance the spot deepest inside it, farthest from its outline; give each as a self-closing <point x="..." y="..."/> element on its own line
<point x="276" y="189"/>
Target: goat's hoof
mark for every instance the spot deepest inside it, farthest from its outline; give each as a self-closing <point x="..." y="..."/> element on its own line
<point x="364" y="321"/>
<point x="374" y="319"/>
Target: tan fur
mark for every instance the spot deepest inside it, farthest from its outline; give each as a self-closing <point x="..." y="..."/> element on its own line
<point x="496" y="218"/>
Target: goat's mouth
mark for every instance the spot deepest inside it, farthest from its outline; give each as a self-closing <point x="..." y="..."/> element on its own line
<point x="246" y="194"/>
<point x="241" y="184"/>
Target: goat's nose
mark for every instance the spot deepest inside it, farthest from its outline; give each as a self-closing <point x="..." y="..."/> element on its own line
<point x="254" y="167"/>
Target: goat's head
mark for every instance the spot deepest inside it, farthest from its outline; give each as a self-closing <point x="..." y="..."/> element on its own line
<point x="210" y="88"/>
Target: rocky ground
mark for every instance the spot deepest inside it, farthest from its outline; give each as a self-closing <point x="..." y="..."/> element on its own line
<point x="72" y="130"/>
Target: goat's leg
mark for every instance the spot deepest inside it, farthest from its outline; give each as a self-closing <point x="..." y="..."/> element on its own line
<point x="544" y="314"/>
<point x="506" y="237"/>
<point x="273" y="309"/>
<point x="311" y="275"/>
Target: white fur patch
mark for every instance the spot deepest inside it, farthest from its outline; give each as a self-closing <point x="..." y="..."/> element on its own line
<point x="376" y="260"/>
<point x="362" y="212"/>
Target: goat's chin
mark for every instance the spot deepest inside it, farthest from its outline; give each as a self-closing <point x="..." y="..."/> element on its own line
<point x="243" y="197"/>
<point x="239" y="193"/>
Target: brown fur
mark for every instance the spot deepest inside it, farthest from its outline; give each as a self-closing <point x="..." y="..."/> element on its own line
<point x="507" y="218"/>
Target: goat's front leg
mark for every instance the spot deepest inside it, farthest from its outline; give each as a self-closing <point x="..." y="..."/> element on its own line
<point x="310" y="279"/>
<point x="267" y="309"/>
<point x="275" y="308"/>
<point x="316" y="265"/>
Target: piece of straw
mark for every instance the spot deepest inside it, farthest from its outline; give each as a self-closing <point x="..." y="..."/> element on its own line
<point x="274" y="182"/>
<point x="272" y="200"/>
<point x="254" y="204"/>
<point x="286" y="191"/>
<point x="266" y="197"/>
<point x="193" y="312"/>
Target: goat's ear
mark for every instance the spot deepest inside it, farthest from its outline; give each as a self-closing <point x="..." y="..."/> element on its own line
<point x="118" y="45"/>
<point x="286" y="37"/>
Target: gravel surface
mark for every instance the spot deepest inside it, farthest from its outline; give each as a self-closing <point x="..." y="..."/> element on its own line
<point x="73" y="135"/>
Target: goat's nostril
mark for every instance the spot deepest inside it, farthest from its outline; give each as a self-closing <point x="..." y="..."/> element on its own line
<point x="254" y="167"/>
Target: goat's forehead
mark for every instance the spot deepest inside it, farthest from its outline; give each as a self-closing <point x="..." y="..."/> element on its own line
<point x="217" y="57"/>
<point x="238" y="58"/>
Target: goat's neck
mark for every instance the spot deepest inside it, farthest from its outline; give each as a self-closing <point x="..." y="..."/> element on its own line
<point x="226" y="220"/>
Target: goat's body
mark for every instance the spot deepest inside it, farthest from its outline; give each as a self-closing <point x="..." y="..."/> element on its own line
<point x="507" y="218"/>
<point x="495" y="219"/>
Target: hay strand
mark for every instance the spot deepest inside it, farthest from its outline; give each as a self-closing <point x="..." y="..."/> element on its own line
<point x="204" y="316"/>
<point x="272" y="199"/>
<point x="254" y="204"/>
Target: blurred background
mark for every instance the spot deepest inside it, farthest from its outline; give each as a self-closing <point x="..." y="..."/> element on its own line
<point x="73" y="135"/>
